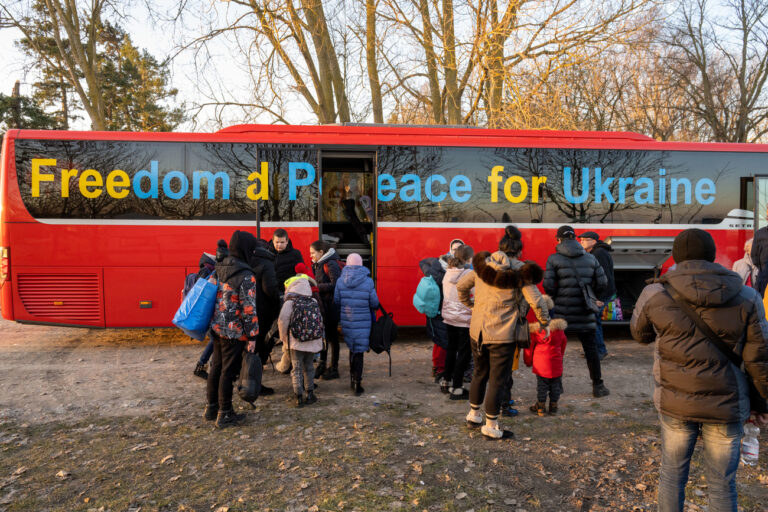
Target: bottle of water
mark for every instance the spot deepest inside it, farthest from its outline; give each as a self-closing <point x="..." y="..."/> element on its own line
<point x="750" y="446"/>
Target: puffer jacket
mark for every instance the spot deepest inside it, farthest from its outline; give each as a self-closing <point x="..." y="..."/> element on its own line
<point x="694" y="380"/>
<point x="545" y="355"/>
<point x="234" y="316"/>
<point x="285" y="262"/>
<point x="262" y="263"/>
<point x="327" y="272"/>
<point x="435" y="267"/>
<point x="602" y="252"/>
<point x="356" y="296"/>
<point x="296" y="287"/>
<point x="560" y="283"/>
<point x="504" y="289"/>
<point x="454" y="312"/>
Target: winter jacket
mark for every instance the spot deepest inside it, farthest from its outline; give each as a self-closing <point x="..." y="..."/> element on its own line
<point x="285" y="262"/>
<point x="602" y="252"/>
<point x="454" y="312"/>
<point x="560" y="283"/>
<point x="746" y="269"/>
<point x="234" y="316"/>
<point x="296" y="287"/>
<point x="262" y="264"/>
<point x="207" y="264"/>
<point x="356" y="297"/>
<point x="504" y="290"/>
<point x="546" y="354"/>
<point x="436" y="268"/>
<point x="327" y="272"/>
<point x="694" y="380"/>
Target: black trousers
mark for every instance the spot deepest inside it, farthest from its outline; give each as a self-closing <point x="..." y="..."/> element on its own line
<point x="331" y="321"/>
<point x="225" y="365"/>
<point x="587" y="339"/>
<point x="458" y="355"/>
<point x="552" y="387"/>
<point x="493" y="363"/>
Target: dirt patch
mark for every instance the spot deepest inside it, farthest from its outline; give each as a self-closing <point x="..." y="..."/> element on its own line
<point x="111" y="420"/>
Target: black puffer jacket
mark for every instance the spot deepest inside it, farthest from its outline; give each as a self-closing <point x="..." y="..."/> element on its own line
<point x="285" y="263"/>
<point x="602" y="251"/>
<point x="560" y="283"/>
<point x="327" y="272"/>
<point x="262" y="262"/>
<point x="694" y="380"/>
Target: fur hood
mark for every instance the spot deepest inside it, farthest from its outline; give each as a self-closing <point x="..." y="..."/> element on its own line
<point x="556" y="324"/>
<point x="495" y="270"/>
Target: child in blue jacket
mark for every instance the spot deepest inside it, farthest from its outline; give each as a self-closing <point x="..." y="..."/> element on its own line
<point x="356" y="296"/>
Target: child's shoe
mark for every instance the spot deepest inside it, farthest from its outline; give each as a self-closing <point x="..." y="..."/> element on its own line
<point x="443" y="385"/>
<point x="332" y="373"/>
<point x="538" y="408"/>
<point x="552" y="407"/>
<point x="459" y="394"/>
<point x="320" y="370"/>
<point x="299" y="401"/>
<point x="509" y="412"/>
<point x="311" y="398"/>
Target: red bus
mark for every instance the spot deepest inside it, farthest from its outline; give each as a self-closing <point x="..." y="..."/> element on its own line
<point x="100" y="228"/>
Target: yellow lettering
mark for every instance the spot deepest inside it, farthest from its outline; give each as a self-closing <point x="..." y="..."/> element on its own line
<point x="263" y="184"/>
<point x="508" y="189"/>
<point x="37" y="177"/>
<point x="538" y="181"/>
<point x="494" y="179"/>
<point x="66" y="174"/>
<point x="118" y="179"/>
<point x="90" y="178"/>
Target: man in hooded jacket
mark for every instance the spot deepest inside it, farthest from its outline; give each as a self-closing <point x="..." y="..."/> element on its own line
<point x="698" y="390"/>
<point x="235" y="325"/>
<point x="569" y="265"/>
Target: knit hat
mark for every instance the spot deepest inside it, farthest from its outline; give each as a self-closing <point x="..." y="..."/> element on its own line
<point x="693" y="244"/>
<point x="354" y="259"/>
<point x="565" y="232"/>
<point x="301" y="268"/>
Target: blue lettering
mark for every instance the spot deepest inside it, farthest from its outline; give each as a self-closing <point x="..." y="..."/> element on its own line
<point x="294" y="182"/>
<point x="568" y="186"/>
<point x="428" y="188"/>
<point x="461" y="184"/>
<point x="602" y="187"/>
<point x="705" y="186"/>
<point x="412" y="191"/>
<point x="674" y="184"/>
<point x="646" y="191"/>
<point x="623" y="182"/>
<point x="386" y="185"/>
<point x="152" y="175"/>
<point x="168" y="191"/>
<point x="210" y="183"/>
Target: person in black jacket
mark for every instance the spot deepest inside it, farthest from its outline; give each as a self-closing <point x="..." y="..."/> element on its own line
<point x="569" y="265"/>
<point x="262" y="262"/>
<point x="436" y="268"/>
<point x="591" y="243"/>
<point x="286" y="257"/>
<point x="698" y="391"/>
<point x="326" y="268"/>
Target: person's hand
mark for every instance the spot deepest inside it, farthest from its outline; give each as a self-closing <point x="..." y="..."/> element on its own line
<point x="761" y="420"/>
<point x="251" y="346"/>
<point x="600" y="303"/>
<point x="545" y="330"/>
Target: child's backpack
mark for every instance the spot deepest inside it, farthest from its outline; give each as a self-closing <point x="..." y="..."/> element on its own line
<point x="306" y="320"/>
<point x="426" y="300"/>
<point x="383" y="334"/>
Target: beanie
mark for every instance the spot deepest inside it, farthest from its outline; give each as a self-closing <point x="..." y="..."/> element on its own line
<point x="693" y="244"/>
<point x="354" y="259"/>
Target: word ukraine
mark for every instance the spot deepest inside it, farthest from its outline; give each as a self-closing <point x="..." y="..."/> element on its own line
<point x="147" y="184"/>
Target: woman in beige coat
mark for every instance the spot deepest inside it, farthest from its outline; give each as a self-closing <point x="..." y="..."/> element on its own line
<point x="505" y="289"/>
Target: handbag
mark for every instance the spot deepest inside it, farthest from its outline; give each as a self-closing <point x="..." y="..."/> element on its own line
<point x="756" y="402"/>
<point x="194" y="315"/>
<point x="590" y="299"/>
<point x="522" y="334"/>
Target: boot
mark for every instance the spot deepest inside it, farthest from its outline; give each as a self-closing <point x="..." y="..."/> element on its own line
<point x="538" y="408"/>
<point x="227" y="418"/>
<point x="320" y="370"/>
<point x="266" y="390"/>
<point x="552" y="407"/>
<point x="351" y="371"/>
<point x="311" y="398"/>
<point x="299" y="401"/>
<point x="199" y="371"/>
<point x="599" y="390"/>
<point x="332" y="373"/>
<point x="211" y="411"/>
<point x="357" y="365"/>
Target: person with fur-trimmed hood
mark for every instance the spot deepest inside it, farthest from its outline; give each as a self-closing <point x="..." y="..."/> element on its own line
<point x="546" y="356"/>
<point x="505" y="288"/>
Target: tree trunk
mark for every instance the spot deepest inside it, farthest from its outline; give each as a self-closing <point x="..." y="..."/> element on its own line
<point x="370" y="55"/>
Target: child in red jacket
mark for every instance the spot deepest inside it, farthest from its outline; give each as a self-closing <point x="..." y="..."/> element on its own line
<point x="546" y="356"/>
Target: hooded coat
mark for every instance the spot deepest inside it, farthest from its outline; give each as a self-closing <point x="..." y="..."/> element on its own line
<point x="546" y="354"/>
<point x="436" y="268"/>
<point x="285" y="262"/>
<point x="301" y="287"/>
<point x="602" y="252"/>
<point x="454" y="312"/>
<point x="327" y="272"/>
<point x="234" y="316"/>
<point x="355" y="294"/>
<point x="569" y="265"/>
<point x="505" y="289"/>
<point x="694" y="380"/>
<point x="262" y="264"/>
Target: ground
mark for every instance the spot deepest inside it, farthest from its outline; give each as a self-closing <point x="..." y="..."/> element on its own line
<point x="99" y="420"/>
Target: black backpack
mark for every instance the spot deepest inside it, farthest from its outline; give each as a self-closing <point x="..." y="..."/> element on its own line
<point x="383" y="334"/>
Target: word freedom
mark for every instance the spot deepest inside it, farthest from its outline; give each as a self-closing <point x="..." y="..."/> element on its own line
<point x="146" y="184"/>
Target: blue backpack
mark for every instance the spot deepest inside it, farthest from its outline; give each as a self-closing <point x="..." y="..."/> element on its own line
<point x="196" y="310"/>
<point x="426" y="300"/>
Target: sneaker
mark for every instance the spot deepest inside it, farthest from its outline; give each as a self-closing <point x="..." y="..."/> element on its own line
<point x="311" y="398"/>
<point x="474" y="418"/>
<point x="495" y="434"/>
<point x="443" y="385"/>
<point x="200" y="371"/>
<point x="600" y="390"/>
<point x="538" y="408"/>
<point x="266" y="390"/>
<point x="227" y="418"/>
<point x="509" y="412"/>
<point x="459" y="394"/>
<point x="211" y="411"/>
<point x="331" y="373"/>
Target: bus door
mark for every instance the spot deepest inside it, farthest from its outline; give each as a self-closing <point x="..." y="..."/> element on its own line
<point x="760" y="185"/>
<point x="347" y="206"/>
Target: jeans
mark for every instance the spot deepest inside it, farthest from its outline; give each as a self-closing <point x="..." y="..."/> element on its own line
<point x="457" y="356"/>
<point x="722" y="443"/>
<point x="225" y="365"/>
<point x="207" y="351"/>
<point x="493" y="364"/>
<point x="599" y="340"/>
<point x="302" y="373"/>
<point x="587" y="339"/>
